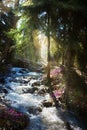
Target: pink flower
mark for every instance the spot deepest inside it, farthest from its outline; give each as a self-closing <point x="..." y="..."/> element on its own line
<point x="58" y="93"/>
<point x="56" y="71"/>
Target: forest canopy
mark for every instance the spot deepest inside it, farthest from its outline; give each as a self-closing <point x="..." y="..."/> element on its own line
<point x="61" y="24"/>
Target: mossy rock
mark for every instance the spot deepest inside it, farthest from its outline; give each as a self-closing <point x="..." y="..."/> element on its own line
<point x="10" y="119"/>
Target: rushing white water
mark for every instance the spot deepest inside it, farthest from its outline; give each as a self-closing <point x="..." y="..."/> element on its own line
<point x="26" y="100"/>
<point x="15" y="71"/>
<point x="41" y="118"/>
<point x="47" y="120"/>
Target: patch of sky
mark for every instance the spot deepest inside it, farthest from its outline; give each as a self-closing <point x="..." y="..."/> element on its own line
<point x="6" y="13"/>
<point x="42" y="14"/>
<point x="3" y="41"/>
<point x="3" y="22"/>
<point x="61" y="27"/>
<point x="21" y="1"/>
<point x="59" y="20"/>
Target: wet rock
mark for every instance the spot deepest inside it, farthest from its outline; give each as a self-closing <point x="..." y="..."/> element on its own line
<point x="4" y="90"/>
<point x="30" y="90"/>
<point x="68" y="126"/>
<point x="36" y="83"/>
<point x="35" y="110"/>
<point x="44" y="86"/>
<point x="47" y="103"/>
<point x="39" y="109"/>
<point x="42" y="91"/>
<point x="23" y="71"/>
<point x="2" y="80"/>
<point x="2" y="106"/>
<point x="2" y="95"/>
<point x="25" y="81"/>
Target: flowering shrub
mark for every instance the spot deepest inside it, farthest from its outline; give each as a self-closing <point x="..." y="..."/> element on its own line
<point x="56" y="71"/>
<point x="12" y="119"/>
<point x="58" y="93"/>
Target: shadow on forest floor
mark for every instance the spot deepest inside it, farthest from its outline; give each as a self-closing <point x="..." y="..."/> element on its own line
<point x="76" y="89"/>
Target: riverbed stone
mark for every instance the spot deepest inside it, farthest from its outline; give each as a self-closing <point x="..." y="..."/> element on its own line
<point x="47" y="103"/>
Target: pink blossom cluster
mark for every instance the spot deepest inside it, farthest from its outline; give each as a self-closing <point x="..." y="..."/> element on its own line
<point x="58" y="93"/>
<point x="56" y="71"/>
<point x="14" y="113"/>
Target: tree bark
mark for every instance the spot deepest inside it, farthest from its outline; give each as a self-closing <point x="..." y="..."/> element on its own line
<point x="70" y="56"/>
<point x="48" y="65"/>
<point x="48" y="53"/>
<point x="63" y="58"/>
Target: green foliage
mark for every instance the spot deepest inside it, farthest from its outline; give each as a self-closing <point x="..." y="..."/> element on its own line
<point x="6" y="23"/>
<point x="67" y="21"/>
<point x="82" y="59"/>
<point x="23" y="36"/>
<point x="53" y="48"/>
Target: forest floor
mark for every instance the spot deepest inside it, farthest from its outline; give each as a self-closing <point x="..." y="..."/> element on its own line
<point x="76" y="86"/>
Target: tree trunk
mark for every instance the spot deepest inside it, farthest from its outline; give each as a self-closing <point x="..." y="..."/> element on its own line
<point x="69" y="58"/>
<point x="48" y="59"/>
<point x="63" y="58"/>
<point x="48" y="53"/>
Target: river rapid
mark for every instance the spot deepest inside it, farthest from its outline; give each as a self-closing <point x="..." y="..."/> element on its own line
<point x="24" y="90"/>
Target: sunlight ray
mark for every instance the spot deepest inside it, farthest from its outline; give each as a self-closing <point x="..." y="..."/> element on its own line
<point x="43" y="50"/>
